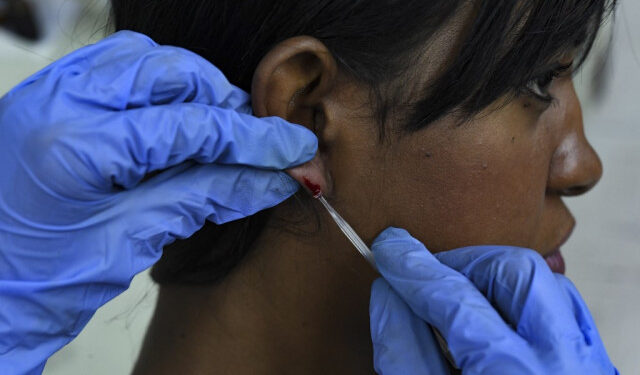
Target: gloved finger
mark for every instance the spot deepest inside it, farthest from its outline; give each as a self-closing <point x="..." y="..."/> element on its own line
<point x="129" y="70"/>
<point x="155" y="75"/>
<point x="594" y="346"/>
<point x="176" y="203"/>
<point x="449" y="301"/>
<point x="124" y="146"/>
<point x="402" y="342"/>
<point x="581" y="311"/>
<point x="522" y="287"/>
<point x="82" y="60"/>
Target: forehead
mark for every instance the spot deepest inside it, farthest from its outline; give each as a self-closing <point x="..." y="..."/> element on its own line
<point x="441" y="49"/>
<point x="521" y="23"/>
<point x="488" y="49"/>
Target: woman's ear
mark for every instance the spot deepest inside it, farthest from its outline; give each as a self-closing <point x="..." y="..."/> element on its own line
<point x="293" y="81"/>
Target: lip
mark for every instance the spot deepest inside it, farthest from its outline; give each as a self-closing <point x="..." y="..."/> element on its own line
<point x="554" y="258"/>
<point x="564" y="239"/>
<point x="555" y="261"/>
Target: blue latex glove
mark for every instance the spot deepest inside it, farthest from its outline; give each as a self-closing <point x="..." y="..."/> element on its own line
<point x="76" y="139"/>
<point x="501" y="310"/>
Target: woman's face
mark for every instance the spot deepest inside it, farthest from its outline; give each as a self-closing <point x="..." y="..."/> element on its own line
<point x="497" y="179"/>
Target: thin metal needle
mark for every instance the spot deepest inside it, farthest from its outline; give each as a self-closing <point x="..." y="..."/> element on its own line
<point x="368" y="255"/>
<point x="350" y="233"/>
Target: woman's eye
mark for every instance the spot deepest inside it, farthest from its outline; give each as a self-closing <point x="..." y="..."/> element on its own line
<point x="539" y="86"/>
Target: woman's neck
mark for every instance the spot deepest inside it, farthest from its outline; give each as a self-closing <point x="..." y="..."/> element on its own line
<point x="296" y="304"/>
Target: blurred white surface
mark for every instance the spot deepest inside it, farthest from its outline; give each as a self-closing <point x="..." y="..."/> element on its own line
<point x="603" y="255"/>
<point x="65" y="25"/>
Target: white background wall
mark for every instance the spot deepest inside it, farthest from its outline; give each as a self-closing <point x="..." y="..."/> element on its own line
<point x="603" y="255"/>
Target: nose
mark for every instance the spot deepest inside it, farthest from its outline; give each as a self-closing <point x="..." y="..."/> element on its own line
<point x="575" y="165"/>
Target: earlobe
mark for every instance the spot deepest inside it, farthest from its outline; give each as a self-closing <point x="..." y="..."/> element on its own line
<point x="313" y="176"/>
<point x="292" y="81"/>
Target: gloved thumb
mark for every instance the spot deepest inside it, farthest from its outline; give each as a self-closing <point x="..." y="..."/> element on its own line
<point x="176" y="203"/>
<point x="402" y="342"/>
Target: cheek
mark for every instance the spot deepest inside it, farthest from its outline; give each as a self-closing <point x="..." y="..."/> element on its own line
<point x="479" y="185"/>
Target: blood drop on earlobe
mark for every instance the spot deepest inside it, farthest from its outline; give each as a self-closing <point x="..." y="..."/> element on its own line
<point x="314" y="188"/>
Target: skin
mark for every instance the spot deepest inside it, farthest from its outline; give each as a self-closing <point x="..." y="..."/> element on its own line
<point x="299" y="303"/>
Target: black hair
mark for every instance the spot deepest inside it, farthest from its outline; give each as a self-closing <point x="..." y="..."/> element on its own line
<point x="508" y="44"/>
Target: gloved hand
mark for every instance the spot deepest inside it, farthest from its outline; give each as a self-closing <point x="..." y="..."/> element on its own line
<point x="501" y="310"/>
<point x="77" y="138"/>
